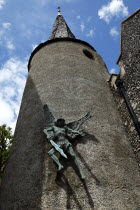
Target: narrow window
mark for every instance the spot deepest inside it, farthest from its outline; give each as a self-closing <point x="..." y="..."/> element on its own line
<point x="88" y="54"/>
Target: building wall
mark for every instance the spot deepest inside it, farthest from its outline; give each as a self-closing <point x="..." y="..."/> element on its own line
<point x="71" y="84"/>
<point x="129" y="63"/>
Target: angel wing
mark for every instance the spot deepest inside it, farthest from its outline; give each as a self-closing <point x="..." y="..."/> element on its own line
<point x="48" y="117"/>
<point x="75" y="125"/>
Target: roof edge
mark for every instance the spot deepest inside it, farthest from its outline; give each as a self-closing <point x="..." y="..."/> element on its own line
<point x="131" y="15"/>
<point x="119" y="58"/>
<point x="41" y="45"/>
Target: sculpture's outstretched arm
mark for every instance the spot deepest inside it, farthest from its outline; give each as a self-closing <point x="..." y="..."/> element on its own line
<point x="46" y="131"/>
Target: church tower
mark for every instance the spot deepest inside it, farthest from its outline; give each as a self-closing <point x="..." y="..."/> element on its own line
<point x="70" y="77"/>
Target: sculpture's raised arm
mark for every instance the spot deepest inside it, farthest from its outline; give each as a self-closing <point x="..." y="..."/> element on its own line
<point x="72" y="131"/>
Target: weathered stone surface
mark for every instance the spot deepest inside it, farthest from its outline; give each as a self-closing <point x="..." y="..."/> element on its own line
<point x="71" y="84"/>
<point x="130" y="63"/>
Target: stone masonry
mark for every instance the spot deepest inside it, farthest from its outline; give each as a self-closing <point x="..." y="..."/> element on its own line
<point x="129" y="62"/>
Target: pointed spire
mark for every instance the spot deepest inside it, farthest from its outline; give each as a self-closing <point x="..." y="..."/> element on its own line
<point x="60" y="28"/>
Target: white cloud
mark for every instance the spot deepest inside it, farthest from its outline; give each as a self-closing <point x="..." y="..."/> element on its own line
<point x="6" y="40"/>
<point x="89" y="19"/>
<point x="2" y="3"/>
<point x="112" y="71"/>
<point x="6" y="113"/>
<point x="8" y="91"/>
<point x="4" y="28"/>
<point x="34" y="46"/>
<point x="78" y="16"/>
<point x="5" y="74"/>
<point x="6" y="25"/>
<point x="113" y="32"/>
<point x="90" y="33"/>
<point x="12" y="82"/>
<point x="112" y="9"/>
<point x="82" y="26"/>
<point x="10" y="45"/>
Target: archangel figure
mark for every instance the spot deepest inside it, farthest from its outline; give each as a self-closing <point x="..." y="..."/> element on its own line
<point x="60" y="134"/>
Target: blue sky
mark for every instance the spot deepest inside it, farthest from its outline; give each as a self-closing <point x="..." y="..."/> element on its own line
<point x="25" y="24"/>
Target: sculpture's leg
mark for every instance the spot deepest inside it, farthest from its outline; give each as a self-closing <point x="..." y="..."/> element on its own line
<point x="72" y="153"/>
<point x="56" y="160"/>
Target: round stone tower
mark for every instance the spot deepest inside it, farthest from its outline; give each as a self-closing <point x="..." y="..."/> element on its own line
<point x="70" y="77"/>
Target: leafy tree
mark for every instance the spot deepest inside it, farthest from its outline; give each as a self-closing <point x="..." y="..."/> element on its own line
<point x="6" y="138"/>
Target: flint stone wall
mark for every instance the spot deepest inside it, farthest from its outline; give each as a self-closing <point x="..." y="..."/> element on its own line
<point x="130" y="63"/>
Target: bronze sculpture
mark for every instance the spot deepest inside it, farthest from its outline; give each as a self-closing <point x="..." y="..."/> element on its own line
<point x="59" y="135"/>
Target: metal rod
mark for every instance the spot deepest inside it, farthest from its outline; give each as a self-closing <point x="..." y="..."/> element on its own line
<point x="119" y="84"/>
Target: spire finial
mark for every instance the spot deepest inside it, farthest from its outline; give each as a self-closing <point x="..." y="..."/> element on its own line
<point x="59" y="11"/>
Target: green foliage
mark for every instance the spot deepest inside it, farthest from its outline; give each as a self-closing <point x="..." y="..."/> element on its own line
<point x="6" y="138"/>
